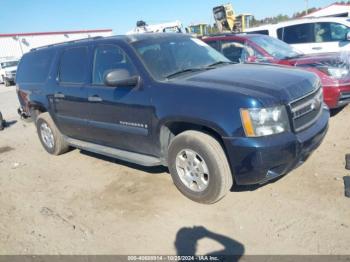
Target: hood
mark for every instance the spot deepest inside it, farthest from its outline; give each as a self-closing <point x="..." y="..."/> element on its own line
<point x="315" y="59"/>
<point x="266" y="83"/>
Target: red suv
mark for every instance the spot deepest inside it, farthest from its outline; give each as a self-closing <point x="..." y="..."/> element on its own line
<point x="332" y="68"/>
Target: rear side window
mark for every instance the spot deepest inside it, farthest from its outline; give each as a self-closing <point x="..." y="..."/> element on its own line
<point x="73" y="66"/>
<point x="297" y="34"/>
<point x="35" y="66"/>
<point x="215" y="45"/>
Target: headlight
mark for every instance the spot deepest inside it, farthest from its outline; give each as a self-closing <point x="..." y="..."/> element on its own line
<point x="336" y="72"/>
<point x="264" y="121"/>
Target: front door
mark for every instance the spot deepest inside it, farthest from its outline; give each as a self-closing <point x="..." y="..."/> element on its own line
<point x="331" y="37"/>
<point x="120" y="117"/>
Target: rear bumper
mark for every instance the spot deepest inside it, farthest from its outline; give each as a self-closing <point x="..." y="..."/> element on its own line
<point x="22" y="112"/>
<point x="336" y="97"/>
<point x="258" y="160"/>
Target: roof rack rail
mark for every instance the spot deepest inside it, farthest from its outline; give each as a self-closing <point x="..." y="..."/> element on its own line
<point x="67" y="42"/>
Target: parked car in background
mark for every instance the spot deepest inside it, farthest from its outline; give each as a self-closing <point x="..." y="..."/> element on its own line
<point x="8" y="68"/>
<point x="311" y="35"/>
<point x="172" y="100"/>
<point x="332" y="68"/>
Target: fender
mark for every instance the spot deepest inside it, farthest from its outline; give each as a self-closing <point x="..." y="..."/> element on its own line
<point x="192" y="121"/>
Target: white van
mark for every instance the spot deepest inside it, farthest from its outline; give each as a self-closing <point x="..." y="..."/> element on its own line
<point x="311" y="35"/>
<point x="8" y="69"/>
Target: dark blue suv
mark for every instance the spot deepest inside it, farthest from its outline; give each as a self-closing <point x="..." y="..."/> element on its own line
<point x="170" y="99"/>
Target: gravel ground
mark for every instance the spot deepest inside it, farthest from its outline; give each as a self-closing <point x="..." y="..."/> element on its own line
<point x="80" y="203"/>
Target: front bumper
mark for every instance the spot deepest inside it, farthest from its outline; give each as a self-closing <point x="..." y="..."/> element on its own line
<point x="336" y="97"/>
<point x="258" y="160"/>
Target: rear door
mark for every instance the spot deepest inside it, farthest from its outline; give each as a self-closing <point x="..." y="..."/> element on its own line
<point x="119" y="117"/>
<point x="70" y="94"/>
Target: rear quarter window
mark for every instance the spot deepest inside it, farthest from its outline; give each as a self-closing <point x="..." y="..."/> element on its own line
<point x="35" y="66"/>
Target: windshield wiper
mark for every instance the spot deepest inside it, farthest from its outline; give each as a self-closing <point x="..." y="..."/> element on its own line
<point x="221" y="63"/>
<point x="182" y="71"/>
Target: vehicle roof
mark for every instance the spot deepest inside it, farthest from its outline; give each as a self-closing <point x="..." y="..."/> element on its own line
<point x="345" y="20"/>
<point x="128" y="38"/>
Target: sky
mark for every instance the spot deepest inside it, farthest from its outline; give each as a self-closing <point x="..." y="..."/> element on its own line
<point x="19" y="16"/>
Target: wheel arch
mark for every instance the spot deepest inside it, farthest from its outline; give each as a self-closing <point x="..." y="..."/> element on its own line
<point x="171" y="128"/>
<point x="36" y="108"/>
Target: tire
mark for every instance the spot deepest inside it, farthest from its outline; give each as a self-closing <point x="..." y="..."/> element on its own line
<point x="50" y="137"/>
<point x="210" y="157"/>
<point x="2" y="122"/>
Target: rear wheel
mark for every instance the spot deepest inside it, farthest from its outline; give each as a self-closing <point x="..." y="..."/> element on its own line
<point x="50" y="137"/>
<point x="199" y="167"/>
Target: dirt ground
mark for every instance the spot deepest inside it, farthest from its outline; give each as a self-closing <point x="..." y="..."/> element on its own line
<point x="80" y="203"/>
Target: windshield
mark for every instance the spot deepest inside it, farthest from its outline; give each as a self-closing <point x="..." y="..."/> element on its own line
<point x="165" y="57"/>
<point x="9" y="64"/>
<point x="275" y="47"/>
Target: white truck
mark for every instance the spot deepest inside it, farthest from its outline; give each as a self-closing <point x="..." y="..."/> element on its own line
<point x="8" y="69"/>
<point x="311" y="35"/>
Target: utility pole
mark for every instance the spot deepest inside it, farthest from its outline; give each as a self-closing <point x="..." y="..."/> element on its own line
<point x="307" y="7"/>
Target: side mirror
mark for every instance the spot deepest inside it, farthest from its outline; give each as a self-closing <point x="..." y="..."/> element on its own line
<point x="348" y="36"/>
<point x="120" y="77"/>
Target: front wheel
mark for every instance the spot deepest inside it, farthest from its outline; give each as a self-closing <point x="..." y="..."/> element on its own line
<point x="199" y="167"/>
<point x="50" y="137"/>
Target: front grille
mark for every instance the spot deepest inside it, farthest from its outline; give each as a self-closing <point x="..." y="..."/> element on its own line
<point x="306" y="110"/>
<point x="344" y="96"/>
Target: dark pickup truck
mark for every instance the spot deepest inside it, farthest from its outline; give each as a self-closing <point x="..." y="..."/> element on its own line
<point x="170" y="99"/>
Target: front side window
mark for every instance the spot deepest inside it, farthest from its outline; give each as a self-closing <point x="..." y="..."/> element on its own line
<point x="215" y="44"/>
<point x="330" y="32"/>
<point x="236" y="51"/>
<point x="339" y="32"/>
<point x="164" y="57"/>
<point x="107" y="58"/>
<point x="297" y="34"/>
<point x="73" y="66"/>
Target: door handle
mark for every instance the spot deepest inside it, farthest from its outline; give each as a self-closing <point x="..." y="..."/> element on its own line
<point x="95" y="98"/>
<point x="59" y="95"/>
<point x="317" y="48"/>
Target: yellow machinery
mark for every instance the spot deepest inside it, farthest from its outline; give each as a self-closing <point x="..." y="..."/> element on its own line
<point x="198" y="30"/>
<point x="227" y="21"/>
<point x="242" y="22"/>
